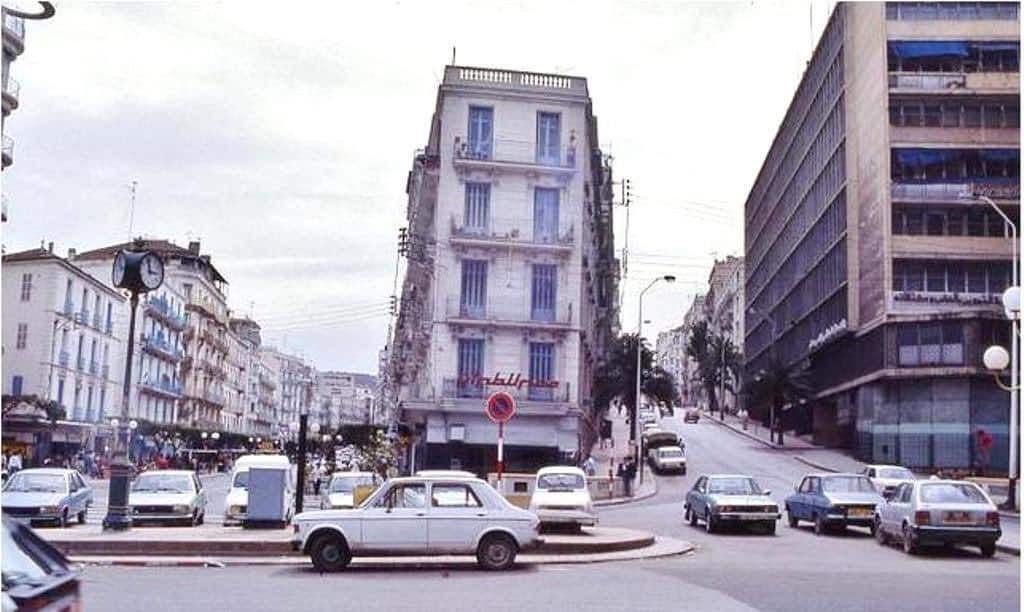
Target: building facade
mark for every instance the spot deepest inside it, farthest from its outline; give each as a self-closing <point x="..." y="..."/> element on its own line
<point x="61" y="343"/>
<point x="868" y="258"/>
<point x="350" y="398"/>
<point x="671" y="354"/>
<point x="511" y="280"/>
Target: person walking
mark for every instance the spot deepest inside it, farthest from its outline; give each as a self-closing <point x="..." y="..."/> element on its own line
<point x="14" y="463"/>
<point x="590" y="466"/>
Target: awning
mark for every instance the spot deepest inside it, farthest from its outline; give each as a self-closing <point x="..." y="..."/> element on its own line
<point x="996" y="46"/>
<point x="938" y="48"/>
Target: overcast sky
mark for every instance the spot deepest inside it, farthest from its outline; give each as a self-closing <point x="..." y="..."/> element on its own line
<point x="283" y="140"/>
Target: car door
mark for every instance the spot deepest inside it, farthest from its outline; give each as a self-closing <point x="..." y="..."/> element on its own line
<point x="397" y="520"/>
<point x="902" y="507"/>
<point x="74" y="496"/>
<point x="457" y="516"/>
<point x="888" y="510"/>
<point x="797" y="499"/>
<point x="200" y="494"/>
<point x="696" y="496"/>
<point x="84" y="492"/>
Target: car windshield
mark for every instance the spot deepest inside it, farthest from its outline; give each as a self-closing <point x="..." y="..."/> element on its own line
<point x="241" y="480"/>
<point x="733" y="486"/>
<point x="950" y="493"/>
<point x="347" y="484"/>
<point x="19" y="566"/>
<point x="895" y="473"/>
<point x="556" y="482"/>
<point x="670" y="452"/>
<point x="37" y="483"/>
<point x="174" y="483"/>
<point x="847" y="484"/>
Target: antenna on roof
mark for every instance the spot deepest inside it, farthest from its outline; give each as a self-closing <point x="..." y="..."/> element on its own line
<point x="131" y="210"/>
<point x="453" y="55"/>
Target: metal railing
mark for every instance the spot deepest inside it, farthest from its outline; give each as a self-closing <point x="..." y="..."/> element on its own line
<point x="931" y="191"/>
<point x="69" y="308"/>
<point x="162" y="307"/>
<point x="498" y="310"/>
<point x="550" y="391"/>
<point x="105" y="372"/>
<point x="160" y="345"/>
<point x="162" y="386"/>
<point x="97" y="321"/>
<point x="515" y="152"/>
<point x="82" y="317"/>
<point x="514" y="235"/>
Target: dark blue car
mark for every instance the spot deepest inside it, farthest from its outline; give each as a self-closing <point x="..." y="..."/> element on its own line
<point x="833" y="500"/>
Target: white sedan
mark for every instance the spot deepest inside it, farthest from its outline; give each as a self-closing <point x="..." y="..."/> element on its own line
<point x="420" y="516"/>
<point x="561" y="496"/>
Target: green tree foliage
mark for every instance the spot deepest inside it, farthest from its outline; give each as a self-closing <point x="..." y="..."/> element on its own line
<point x="716" y="357"/>
<point x="772" y="388"/>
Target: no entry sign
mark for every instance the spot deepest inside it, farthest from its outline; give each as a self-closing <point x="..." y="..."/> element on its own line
<point x="501" y="407"/>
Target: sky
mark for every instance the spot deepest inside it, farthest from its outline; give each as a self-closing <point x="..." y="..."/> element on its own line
<point x="281" y="138"/>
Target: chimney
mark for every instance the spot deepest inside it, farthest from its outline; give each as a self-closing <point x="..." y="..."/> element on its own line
<point x="49" y="247"/>
<point x="193" y="247"/>
<point x="71" y="254"/>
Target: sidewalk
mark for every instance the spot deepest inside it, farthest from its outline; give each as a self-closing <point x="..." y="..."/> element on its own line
<point x="757" y="432"/>
<point x="609" y="458"/>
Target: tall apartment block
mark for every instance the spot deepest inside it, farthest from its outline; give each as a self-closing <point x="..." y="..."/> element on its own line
<point x="868" y="257"/>
<point x="512" y="279"/>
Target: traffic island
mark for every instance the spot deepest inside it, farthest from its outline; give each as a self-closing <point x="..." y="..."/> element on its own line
<point x="216" y="545"/>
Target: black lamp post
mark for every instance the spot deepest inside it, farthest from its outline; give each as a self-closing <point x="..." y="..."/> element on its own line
<point x="138" y="272"/>
<point x="301" y="480"/>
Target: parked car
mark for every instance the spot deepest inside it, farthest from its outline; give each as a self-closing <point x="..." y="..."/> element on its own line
<point x="168" y="496"/>
<point x="348" y="489"/>
<point x="445" y="473"/>
<point x="36" y="576"/>
<point x="833" y="500"/>
<point x="465" y="516"/>
<point x="237" y="502"/>
<point x="719" y="499"/>
<point x="888" y="477"/>
<point x="51" y="495"/>
<point x="692" y="416"/>
<point x="561" y="497"/>
<point x="667" y="459"/>
<point x="946" y="512"/>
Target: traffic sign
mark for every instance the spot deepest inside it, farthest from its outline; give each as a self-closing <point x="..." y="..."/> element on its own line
<point x="501" y="407"/>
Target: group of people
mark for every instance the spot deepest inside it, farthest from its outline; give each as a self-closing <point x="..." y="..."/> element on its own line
<point x="86" y="462"/>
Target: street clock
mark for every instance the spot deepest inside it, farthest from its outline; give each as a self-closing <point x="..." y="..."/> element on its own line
<point x="138" y="271"/>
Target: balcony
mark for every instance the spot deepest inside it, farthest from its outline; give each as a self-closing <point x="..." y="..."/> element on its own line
<point x="80" y="363"/>
<point x="214" y="397"/>
<point x="550" y="85"/>
<point x="109" y="328"/>
<point x="7" y="151"/>
<point x="64" y="359"/>
<point x="162" y="388"/>
<point x="955" y="192"/>
<point x="160" y="308"/>
<point x="105" y="372"/>
<point x="69" y="309"/>
<point x="82" y="317"/>
<point x="12" y="89"/>
<point x="513" y="155"/>
<point x="946" y="82"/>
<point x="549" y="392"/>
<point x="161" y="348"/>
<point x="483" y="237"/>
<point x="503" y="314"/>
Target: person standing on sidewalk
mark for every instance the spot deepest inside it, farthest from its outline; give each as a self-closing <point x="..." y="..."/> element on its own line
<point x="14" y="463"/>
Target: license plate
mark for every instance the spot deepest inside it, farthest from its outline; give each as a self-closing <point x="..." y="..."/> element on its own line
<point x="859" y="513"/>
<point x="958" y="518"/>
<point x="751" y="517"/>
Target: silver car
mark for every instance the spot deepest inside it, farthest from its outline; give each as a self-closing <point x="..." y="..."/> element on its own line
<point x="945" y="512"/>
<point x="168" y="496"/>
<point x="465" y="516"/>
<point x="47" y="495"/>
<point x="719" y="499"/>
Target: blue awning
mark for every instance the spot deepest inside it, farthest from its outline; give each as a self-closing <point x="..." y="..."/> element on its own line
<point x="996" y="46"/>
<point x="924" y="157"/>
<point x="940" y="48"/>
<point x="1000" y="155"/>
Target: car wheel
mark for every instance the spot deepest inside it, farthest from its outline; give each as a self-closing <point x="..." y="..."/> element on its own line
<point x="496" y="552"/>
<point x="988" y="549"/>
<point x="879" y="532"/>
<point x="709" y="522"/>
<point x="329" y="553"/>
<point x="819" y="525"/>
<point x="770" y="525"/>
<point x="81" y="516"/>
<point x="63" y="520"/>
<point x="909" y="546"/>
<point x="691" y="517"/>
<point x="791" y="518"/>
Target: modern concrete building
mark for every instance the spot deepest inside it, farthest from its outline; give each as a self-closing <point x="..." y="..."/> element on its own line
<point x="671" y="354"/>
<point x="350" y="397"/>
<point x="868" y="259"/>
<point x="62" y="342"/>
<point x="511" y="282"/>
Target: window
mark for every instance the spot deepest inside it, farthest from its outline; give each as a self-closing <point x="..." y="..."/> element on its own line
<point x="545" y="215"/>
<point x="473" y="298"/>
<point x="543" y="293"/>
<point x="68" y="305"/>
<point x="110" y="316"/>
<point x="16" y="384"/>
<point x="476" y="215"/>
<point x="60" y="391"/>
<point x="481" y="130"/>
<point x="931" y="343"/>
<point x="26" y="287"/>
<point x="955" y="223"/>
<point x="471" y="365"/>
<point x="103" y="402"/>
<point x="952" y="343"/>
<point x="541" y="369"/>
<point x="404" y="496"/>
<point x="548" y="138"/>
<point x="935" y="278"/>
<point x="933" y="115"/>
<point x="22" y="338"/>
<point x="906" y="341"/>
<point x="905" y="493"/>
<point x="976" y="222"/>
<point x="935" y="223"/>
<point x="955" y="279"/>
<point x="976" y="278"/>
<point x="453" y="496"/>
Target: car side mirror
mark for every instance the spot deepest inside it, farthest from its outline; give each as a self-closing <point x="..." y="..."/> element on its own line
<point x="767" y="492"/>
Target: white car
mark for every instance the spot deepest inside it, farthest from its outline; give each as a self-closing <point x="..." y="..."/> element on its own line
<point x="168" y="496"/>
<point x="561" y="497"/>
<point x="668" y="459"/>
<point x="888" y="477"/>
<point x="237" y="502"/>
<point x="420" y="516"/>
<point x="341" y="491"/>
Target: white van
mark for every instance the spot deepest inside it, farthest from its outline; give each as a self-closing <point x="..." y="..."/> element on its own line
<point x="238" y="495"/>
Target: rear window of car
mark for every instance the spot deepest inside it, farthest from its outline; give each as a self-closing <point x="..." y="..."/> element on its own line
<point x="950" y="493"/>
<point x="560" y="481"/>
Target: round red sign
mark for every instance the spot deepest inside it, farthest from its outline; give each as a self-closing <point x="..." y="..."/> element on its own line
<point x="501" y="407"/>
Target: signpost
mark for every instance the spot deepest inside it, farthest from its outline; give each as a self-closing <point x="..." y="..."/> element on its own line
<point x="501" y="407"/>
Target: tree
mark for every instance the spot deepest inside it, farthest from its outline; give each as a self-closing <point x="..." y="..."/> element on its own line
<point x="718" y="362"/>
<point x="778" y="385"/>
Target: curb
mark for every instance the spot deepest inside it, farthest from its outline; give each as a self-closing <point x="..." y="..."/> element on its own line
<point x="814" y="465"/>
<point x="622" y="501"/>
<point x="1008" y="549"/>
<point x="743" y="433"/>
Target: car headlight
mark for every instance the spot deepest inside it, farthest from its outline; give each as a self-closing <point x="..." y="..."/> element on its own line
<point x="724" y="509"/>
<point x="49" y="509"/>
<point x="235" y="510"/>
<point x="182" y="509"/>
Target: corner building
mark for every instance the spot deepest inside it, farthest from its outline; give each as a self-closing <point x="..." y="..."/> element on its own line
<point x="511" y="281"/>
<point x="867" y="259"/>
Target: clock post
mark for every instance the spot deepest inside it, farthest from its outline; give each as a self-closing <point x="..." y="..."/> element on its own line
<point x="138" y="272"/>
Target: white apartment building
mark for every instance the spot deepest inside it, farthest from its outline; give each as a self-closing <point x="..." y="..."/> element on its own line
<point x="61" y="343"/>
<point x="511" y="277"/>
<point x="349" y="397"/>
<point x="293" y="391"/>
<point x="671" y="354"/>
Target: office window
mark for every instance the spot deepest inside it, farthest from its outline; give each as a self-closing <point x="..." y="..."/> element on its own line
<point x="481" y="132"/>
<point x="935" y="223"/>
<point x="545" y="215"/>
<point x="936" y="278"/>
<point x="955" y="223"/>
<point x="110" y="315"/>
<point x="22" y="338"/>
<point x="976" y="278"/>
<point x="476" y="215"/>
<point x="955" y="279"/>
<point x="470" y="365"/>
<point x="473" y="298"/>
<point x="16" y="385"/>
<point x="548" y="138"/>
<point x="976" y="222"/>
<point x="60" y="391"/>
<point x="26" y="287"/>
<point x="543" y="293"/>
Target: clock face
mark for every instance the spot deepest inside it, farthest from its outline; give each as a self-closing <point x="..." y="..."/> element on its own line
<point x="119" y="267"/>
<point x="151" y="271"/>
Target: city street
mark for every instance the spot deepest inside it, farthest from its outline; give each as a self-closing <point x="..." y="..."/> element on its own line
<point x="794" y="570"/>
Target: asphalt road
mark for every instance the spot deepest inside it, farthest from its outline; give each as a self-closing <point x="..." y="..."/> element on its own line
<point x="793" y="570"/>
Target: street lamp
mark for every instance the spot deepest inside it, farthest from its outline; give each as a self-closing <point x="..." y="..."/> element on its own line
<point x="634" y="429"/>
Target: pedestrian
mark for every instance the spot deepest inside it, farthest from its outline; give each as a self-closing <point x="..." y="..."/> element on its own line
<point x="590" y="466"/>
<point x="983" y="448"/>
<point x="14" y="462"/>
<point x="628" y="474"/>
